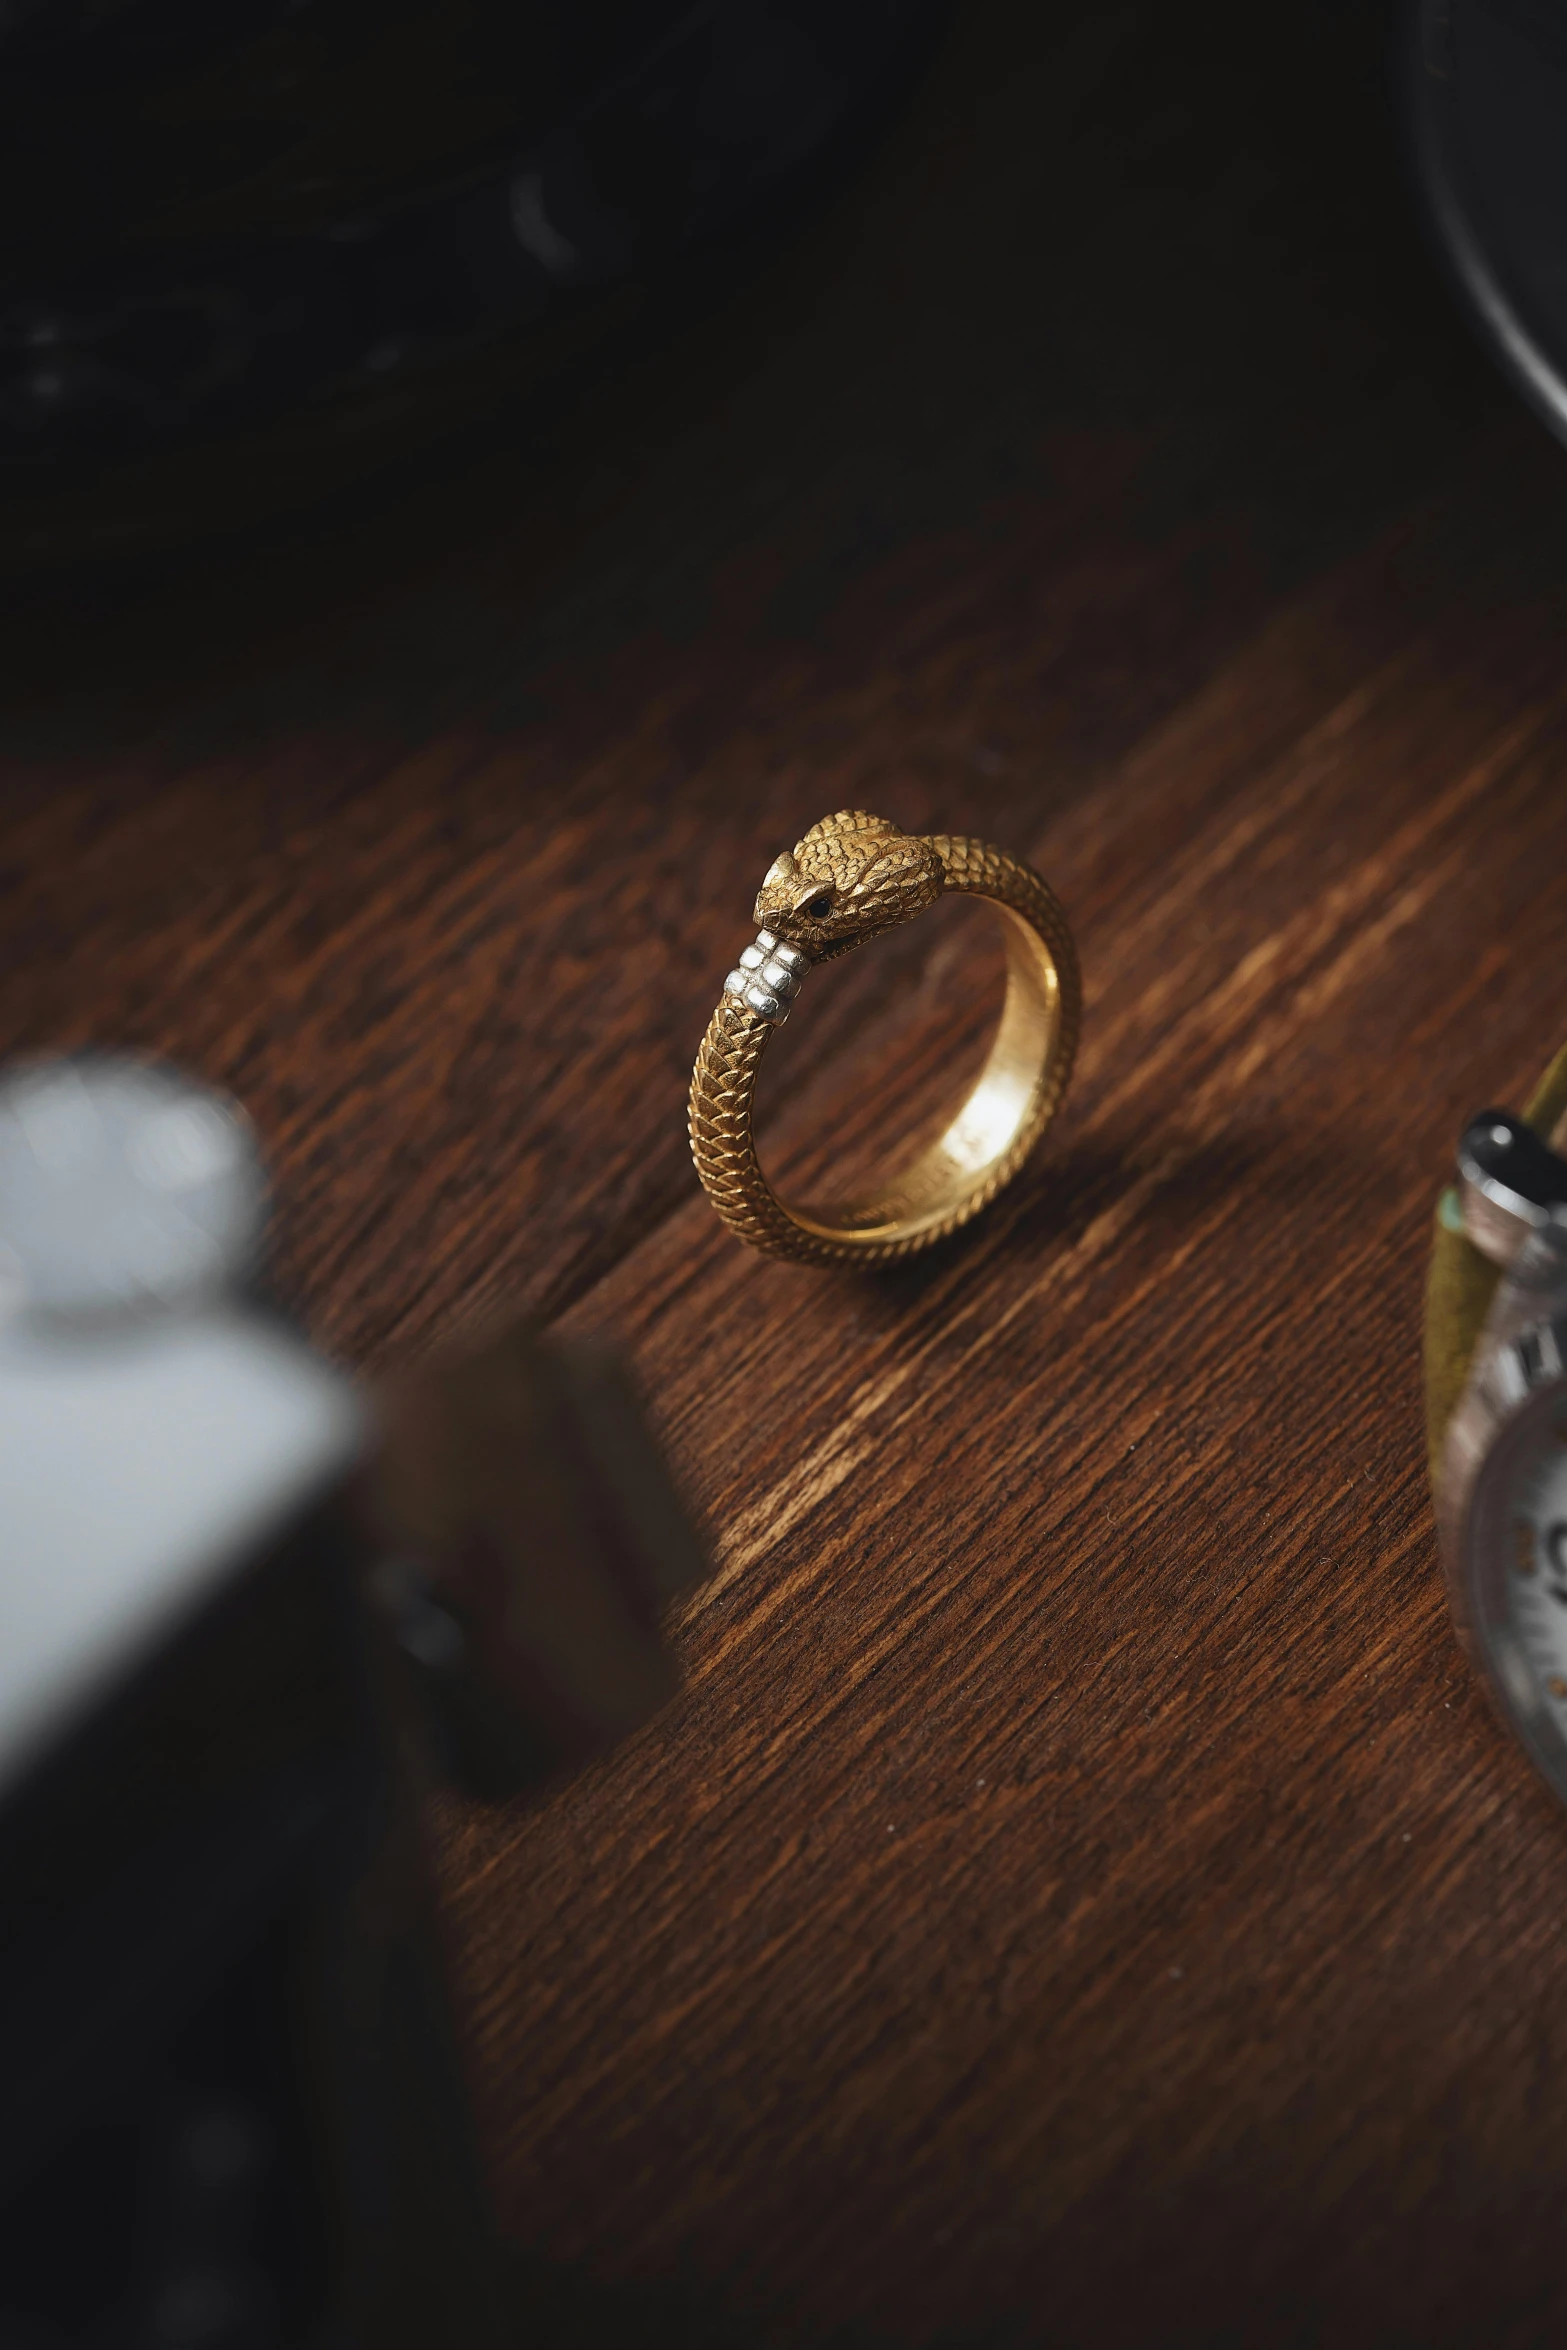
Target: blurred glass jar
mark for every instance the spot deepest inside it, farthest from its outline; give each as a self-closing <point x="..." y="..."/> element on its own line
<point x="1485" y="83"/>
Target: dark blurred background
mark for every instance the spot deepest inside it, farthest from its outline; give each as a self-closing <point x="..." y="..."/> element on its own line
<point x="878" y="270"/>
<point x="320" y="212"/>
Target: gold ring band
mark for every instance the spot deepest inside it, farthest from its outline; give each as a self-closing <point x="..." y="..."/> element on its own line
<point x="851" y="878"/>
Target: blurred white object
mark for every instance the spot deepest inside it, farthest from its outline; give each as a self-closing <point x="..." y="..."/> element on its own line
<point x="156" y="1423"/>
<point x="123" y="1187"/>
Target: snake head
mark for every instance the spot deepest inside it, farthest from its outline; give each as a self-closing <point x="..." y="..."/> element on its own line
<point x="853" y="876"/>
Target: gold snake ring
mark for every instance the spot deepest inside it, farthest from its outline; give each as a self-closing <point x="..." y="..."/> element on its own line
<point x="851" y="878"/>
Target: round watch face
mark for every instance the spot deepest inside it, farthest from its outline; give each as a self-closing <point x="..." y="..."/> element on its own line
<point x="1511" y="1563"/>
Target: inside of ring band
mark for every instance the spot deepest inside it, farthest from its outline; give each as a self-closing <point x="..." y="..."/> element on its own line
<point x="1002" y="1106"/>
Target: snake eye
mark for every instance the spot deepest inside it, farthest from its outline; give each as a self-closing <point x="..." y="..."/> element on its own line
<point x="819" y="909"/>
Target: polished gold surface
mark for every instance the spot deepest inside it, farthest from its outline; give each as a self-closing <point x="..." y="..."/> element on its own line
<point x="853" y="877"/>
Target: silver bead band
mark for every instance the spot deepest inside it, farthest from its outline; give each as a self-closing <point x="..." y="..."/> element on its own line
<point x="767" y="977"/>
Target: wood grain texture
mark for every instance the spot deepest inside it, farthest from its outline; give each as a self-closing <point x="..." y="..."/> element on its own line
<point x="1080" y="1896"/>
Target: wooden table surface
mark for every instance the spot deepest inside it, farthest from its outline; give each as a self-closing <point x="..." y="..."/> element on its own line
<point x="1081" y="1896"/>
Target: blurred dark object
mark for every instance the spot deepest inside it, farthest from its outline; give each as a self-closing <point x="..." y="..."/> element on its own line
<point x="1486" y="91"/>
<point x="218" y="216"/>
<point x="530" y="1540"/>
<point x="244" y="1613"/>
